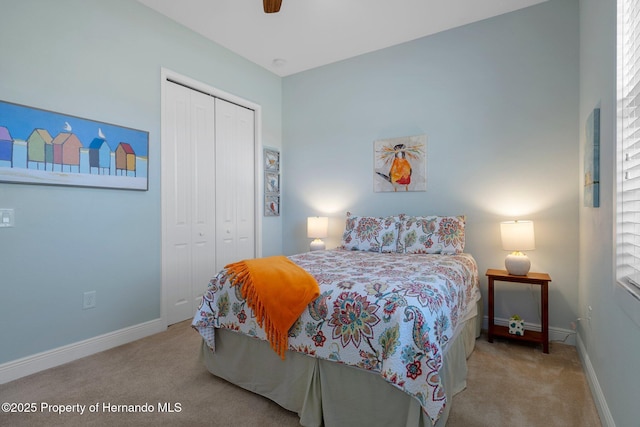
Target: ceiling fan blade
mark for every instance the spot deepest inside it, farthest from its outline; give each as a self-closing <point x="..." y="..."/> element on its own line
<point x="271" y="6"/>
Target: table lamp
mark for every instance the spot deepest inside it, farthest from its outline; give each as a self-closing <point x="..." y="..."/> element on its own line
<point x="517" y="236"/>
<point x="317" y="227"/>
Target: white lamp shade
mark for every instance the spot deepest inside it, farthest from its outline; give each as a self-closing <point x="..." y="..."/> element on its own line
<point x="517" y="235"/>
<point x="317" y="227"/>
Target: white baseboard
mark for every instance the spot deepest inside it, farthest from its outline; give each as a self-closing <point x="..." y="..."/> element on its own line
<point x="28" y="365"/>
<point x="598" y="396"/>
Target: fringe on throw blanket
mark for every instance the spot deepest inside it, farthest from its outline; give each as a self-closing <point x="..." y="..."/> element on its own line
<point x="278" y="291"/>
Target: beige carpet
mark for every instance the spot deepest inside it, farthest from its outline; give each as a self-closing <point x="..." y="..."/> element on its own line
<point x="509" y="385"/>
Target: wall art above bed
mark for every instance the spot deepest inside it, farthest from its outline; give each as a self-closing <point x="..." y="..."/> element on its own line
<point x="45" y="147"/>
<point x="400" y="164"/>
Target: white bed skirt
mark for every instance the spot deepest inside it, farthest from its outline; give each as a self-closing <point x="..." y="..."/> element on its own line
<point x="330" y="394"/>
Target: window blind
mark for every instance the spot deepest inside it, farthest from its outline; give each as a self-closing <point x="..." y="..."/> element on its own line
<point x="629" y="143"/>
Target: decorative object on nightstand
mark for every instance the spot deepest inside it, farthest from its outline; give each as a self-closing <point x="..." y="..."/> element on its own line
<point x="317" y="229"/>
<point x="517" y="236"/>
<point x="516" y="325"/>
<point x="540" y="279"/>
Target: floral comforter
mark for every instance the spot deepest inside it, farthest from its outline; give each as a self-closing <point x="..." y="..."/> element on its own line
<point x="389" y="313"/>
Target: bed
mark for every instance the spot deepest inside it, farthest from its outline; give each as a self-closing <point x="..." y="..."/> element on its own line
<point x="384" y="343"/>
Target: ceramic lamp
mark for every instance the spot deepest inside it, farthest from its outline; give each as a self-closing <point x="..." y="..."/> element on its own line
<point x="517" y="236"/>
<point x="317" y="229"/>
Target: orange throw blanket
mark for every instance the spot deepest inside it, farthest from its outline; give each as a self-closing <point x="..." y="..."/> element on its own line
<point x="278" y="291"/>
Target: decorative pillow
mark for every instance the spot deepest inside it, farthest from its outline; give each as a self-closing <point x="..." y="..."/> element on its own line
<point x="431" y="234"/>
<point x="372" y="234"/>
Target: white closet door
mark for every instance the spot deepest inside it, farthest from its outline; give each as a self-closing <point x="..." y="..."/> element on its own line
<point x="189" y="234"/>
<point x="235" y="183"/>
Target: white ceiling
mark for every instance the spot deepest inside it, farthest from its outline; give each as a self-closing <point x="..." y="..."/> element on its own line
<point x="309" y="33"/>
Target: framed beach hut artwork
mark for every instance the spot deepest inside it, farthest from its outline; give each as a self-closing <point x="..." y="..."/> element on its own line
<point x="44" y="147"/>
<point x="400" y="164"/>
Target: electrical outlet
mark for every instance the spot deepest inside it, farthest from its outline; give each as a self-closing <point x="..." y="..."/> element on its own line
<point x="89" y="300"/>
<point x="6" y="218"/>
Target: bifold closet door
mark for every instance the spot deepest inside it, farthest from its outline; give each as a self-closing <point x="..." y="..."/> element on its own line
<point x="189" y="253"/>
<point x="235" y="183"/>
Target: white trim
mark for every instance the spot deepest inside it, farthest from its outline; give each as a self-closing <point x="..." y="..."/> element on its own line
<point x="19" y="368"/>
<point x="598" y="396"/>
<point x="167" y="74"/>
<point x="566" y="336"/>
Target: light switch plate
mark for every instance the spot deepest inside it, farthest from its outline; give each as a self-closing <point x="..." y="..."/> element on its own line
<point x="6" y="218"/>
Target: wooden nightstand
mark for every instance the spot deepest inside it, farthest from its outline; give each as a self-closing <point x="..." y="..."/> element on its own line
<point x="541" y="279"/>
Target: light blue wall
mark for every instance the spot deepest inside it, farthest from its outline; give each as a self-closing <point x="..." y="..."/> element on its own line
<point x="610" y="340"/>
<point x="498" y="101"/>
<point x="100" y="60"/>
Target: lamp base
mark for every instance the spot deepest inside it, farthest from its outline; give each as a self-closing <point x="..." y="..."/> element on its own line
<point x="317" y="245"/>
<point x="517" y="264"/>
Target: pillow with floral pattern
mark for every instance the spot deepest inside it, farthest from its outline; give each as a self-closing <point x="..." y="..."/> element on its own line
<point x="431" y="234"/>
<point x="371" y="234"/>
